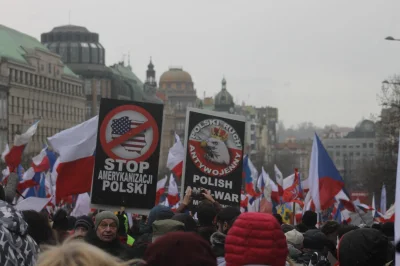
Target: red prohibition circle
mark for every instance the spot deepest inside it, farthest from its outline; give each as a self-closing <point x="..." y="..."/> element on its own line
<point x="151" y="122"/>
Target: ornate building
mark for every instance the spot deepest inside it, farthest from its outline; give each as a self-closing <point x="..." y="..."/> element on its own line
<point x="224" y="100"/>
<point x="81" y="50"/>
<point x="178" y="87"/>
<point x="35" y="84"/>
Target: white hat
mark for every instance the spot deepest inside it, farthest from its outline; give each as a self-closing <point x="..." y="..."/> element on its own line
<point x="294" y="237"/>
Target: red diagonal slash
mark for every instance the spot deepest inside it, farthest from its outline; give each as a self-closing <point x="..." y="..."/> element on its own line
<point x="127" y="135"/>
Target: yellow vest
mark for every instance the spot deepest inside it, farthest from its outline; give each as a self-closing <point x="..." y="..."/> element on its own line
<point x="130" y="240"/>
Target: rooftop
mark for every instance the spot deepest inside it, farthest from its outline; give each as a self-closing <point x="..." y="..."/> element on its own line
<point x="14" y="46"/>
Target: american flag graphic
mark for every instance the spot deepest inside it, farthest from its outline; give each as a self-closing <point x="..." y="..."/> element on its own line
<point x="121" y="126"/>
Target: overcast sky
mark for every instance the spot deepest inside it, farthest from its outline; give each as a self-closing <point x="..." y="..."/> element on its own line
<point x="318" y="61"/>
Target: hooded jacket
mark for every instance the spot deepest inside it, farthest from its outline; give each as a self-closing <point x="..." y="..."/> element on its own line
<point x="16" y="246"/>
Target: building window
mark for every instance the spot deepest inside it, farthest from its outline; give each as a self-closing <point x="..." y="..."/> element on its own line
<point x="350" y="146"/>
<point x="371" y="145"/>
<point x="94" y="53"/>
<point x="85" y="52"/>
<point x="98" y="87"/>
<point x="62" y="51"/>
<point x="101" y="54"/>
<point x="344" y="146"/>
<point x="49" y="67"/>
<point x="74" y="52"/>
<point x="364" y="145"/>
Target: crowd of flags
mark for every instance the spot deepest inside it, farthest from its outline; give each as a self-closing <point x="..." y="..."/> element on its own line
<point x="66" y="170"/>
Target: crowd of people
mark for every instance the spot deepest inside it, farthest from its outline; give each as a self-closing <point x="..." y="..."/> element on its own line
<point x="218" y="236"/>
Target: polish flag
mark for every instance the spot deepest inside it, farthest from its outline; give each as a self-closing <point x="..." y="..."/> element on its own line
<point x="76" y="147"/>
<point x="31" y="177"/>
<point x="160" y="189"/>
<point x="175" y="157"/>
<point x="14" y="156"/>
<point x="173" y="194"/>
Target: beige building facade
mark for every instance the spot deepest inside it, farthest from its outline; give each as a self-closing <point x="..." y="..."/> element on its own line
<point x="36" y="85"/>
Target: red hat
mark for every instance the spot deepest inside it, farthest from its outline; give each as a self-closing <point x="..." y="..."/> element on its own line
<point x="180" y="249"/>
<point x="255" y="238"/>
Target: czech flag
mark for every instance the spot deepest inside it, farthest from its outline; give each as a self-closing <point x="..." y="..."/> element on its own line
<point x="325" y="180"/>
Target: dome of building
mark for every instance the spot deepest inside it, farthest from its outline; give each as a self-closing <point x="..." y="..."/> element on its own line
<point x="76" y="45"/>
<point x="223" y="98"/>
<point x="175" y="75"/>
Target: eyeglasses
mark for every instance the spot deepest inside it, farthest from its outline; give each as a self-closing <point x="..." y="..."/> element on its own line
<point x="112" y="226"/>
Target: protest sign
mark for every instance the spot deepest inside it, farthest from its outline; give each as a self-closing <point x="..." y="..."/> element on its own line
<point x="213" y="159"/>
<point x="127" y="154"/>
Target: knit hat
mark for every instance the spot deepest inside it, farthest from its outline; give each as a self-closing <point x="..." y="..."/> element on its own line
<point x="163" y="227"/>
<point x="105" y="215"/>
<point x="159" y="212"/>
<point x="309" y="219"/>
<point x="366" y="247"/>
<point x="295" y="238"/>
<point x="180" y="249"/>
<point x="85" y="222"/>
<point x="256" y="238"/>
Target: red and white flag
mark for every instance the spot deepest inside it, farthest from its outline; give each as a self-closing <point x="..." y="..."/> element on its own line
<point x="175" y="157"/>
<point x="76" y="148"/>
<point x="14" y="156"/>
<point x="5" y="152"/>
<point x="173" y="193"/>
<point x="160" y="189"/>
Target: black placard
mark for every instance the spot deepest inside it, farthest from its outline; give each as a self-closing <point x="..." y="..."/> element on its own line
<point x="213" y="160"/>
<point x="127" y="154"/>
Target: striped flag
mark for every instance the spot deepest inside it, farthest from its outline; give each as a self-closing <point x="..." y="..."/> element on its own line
<point x="123" y="125"/>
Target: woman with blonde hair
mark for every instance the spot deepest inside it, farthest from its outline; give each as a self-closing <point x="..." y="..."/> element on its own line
<point x="79" y="253"/>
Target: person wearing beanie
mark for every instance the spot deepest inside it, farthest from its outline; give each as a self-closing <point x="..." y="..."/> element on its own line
<point x="83" y="225"/>
<point x="295" y="243"/>
<point x="163" y="227"/>
<point x="287" y="227"/>
<point x="330" y="229"/>
<point x="105" y="236"/>
<point x="310" y="220"/>
<point x="365" y="247"/>
<point x="256" y="238"/>
<point x="180" y="249"/>
<point x="224" y="219"/>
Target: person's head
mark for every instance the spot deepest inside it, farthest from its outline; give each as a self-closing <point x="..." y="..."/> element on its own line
<point x="187" y="220"/>
<point x="73" y="253"/>
<point x="315" y="240"/>
<point x="278" y="217"/>
<point x="295" y="238"/>
<point x="106" y="226"/>
<point x="302" y="228"/>
<point x="309" y="219"/>
<point x="365" y="246"/>
<point x="163" y="227"/>
<point x="226" y="217"/>
<point x="330" y="229"/>
<point x="206" y="213"/>
<point x="255" y="238"/>
<point x="135" y="228"/>
<point x="180" y="249"/>
<point x="38" y="227"/>
<point x="345" y="229"/>
<point x="159" y="212"/>
<point x="388" y="229"/>
<point x="83" y="225"/>
<point x="60" y="220"/>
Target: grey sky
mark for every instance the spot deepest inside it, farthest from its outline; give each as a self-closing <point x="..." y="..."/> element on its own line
<point x="319" y="61"/>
